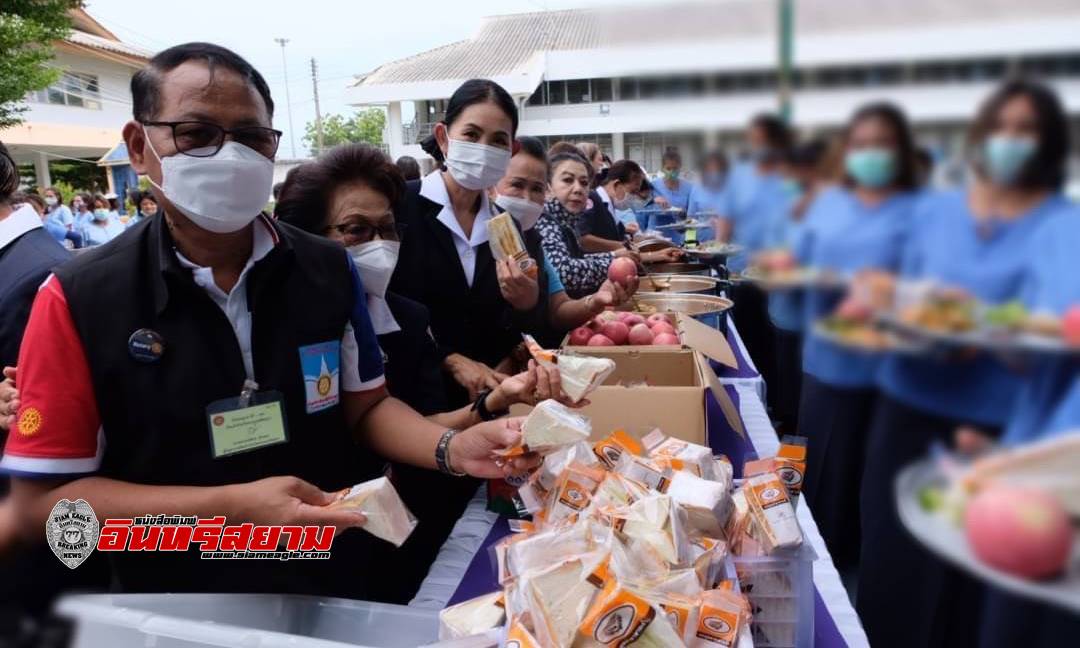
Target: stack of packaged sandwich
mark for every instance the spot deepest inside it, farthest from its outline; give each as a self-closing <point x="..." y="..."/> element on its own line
<point x="628" y="543"/>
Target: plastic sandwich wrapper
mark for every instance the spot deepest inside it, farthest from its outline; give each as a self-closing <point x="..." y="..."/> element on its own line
<point x="387" y="516"/>
<point x="578" y="374"/>
<point x="631" y="542"/>
<point x="505" y="242"/>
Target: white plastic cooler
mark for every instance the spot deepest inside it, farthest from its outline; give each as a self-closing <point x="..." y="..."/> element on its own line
<point x="243" y="621"/>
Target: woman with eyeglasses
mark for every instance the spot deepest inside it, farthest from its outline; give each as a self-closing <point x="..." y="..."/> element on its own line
<point x="348" y="195"/>
<point x="980" y="241"/>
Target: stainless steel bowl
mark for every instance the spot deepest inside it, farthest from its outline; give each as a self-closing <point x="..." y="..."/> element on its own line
<point x="673" y="283"/>
<point x="708" y="309"/>
<point x="679" y="268"/>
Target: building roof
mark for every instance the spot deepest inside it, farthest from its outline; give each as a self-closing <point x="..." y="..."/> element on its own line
<point x="505" y="44"/>
<point x="88" y="33"/>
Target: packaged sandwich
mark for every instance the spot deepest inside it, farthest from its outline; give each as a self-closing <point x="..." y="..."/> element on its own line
<point x="684" y="582"/>
<point x="609" y="449"/>
<point x="550" y="426"/>
<point x="578" y="374"/>
<point x="657" y="521"/>
<point x="573" y="492"/>
<point x="619" y="617"/>
<point x="555" y="462"/>
<point x="720" y="618"/>
<point x="772" y="513"/>
<point x="505" y="242"/>
<point x="559" y="597"/>
<point x="681" y="611"/>
<point x="387" y="516"/>
<point x="790" y="462"/>
<point x="707" y="503"/>
<point x="643" y="470"/>
<point x="708" y="556"/>
<point x="472" y="617"/>
<point x="697" y="458"/>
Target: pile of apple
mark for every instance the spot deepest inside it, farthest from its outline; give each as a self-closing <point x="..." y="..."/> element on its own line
<point x="617" y="328"/>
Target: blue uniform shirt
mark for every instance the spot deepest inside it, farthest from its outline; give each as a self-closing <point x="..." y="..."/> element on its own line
<point x="992" y="262"/>
<point x="754" y="197"/>
<point x="100" y="233"/>
<point x="554" y="282"/>
<point x="844" y="235"/>
<point x="710" y="200"/>
<point x="59" y="222"/>
<point x="1049" y="402"/>
<point x="783" y="232"/>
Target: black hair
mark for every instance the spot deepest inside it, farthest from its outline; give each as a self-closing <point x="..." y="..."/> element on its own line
<point x="59" y="194"/>
<point x="606" y="158"/>
<point x="147" y="195"/>
<point x="34" y="198"/>
<point x="1046" y="168"/>
<point x="275" y="191"/>
<point x="777" y="133"/>
<point x="305" y="199"/>
<point x="532" y="147"/>
<point x="88" y="201"/>
<point x="907" y="176"/>
<point x="624" y="171"/>
<point x="146" y="84"/>
<point x="572" y="156"/>
<point x="409" y="167"/>
<point x="671" y="155"/>
<point x="563" y="146"/>
<point x="808" y="154"/>
<point x="9" y="175"/>
<point x="473" y="91"/>
<point x="96" y="198"/>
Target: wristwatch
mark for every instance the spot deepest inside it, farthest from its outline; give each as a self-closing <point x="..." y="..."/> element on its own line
<point x="442" y="454"/>
<point x="480" y="407"/>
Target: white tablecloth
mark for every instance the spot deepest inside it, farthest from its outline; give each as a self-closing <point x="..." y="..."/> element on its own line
<point x="475" y="524"/>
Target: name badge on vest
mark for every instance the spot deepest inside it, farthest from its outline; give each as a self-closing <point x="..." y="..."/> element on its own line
<point x="248" y="422"/>
<point x="321" y="364"/>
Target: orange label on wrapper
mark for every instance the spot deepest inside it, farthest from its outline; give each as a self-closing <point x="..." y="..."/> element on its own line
<point x="718" y="626"/>
<point x="609" y="449"/>
<point x="770" y="492"/>
<point x="519" y="637"/>
<point x="574" y="495"/>
<point x="618" y="617"/>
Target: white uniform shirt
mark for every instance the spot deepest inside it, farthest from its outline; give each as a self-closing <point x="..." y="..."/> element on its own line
<point x="433" y="187"/>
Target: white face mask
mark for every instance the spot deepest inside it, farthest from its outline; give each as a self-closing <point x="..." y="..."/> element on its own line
<point x="621" y="204"/>
<point x="375" y="261"/>
<point x="524" y="211"/>
<point x="221" y="193"/>
<point x="476" y="166"/>
<point x="50" y="201"/>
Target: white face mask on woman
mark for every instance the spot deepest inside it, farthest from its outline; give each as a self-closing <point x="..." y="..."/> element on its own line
<point x="524" y="211"/>
<point x="221" y="193"/>
<point x="375" y="262"/>
<point x="476" y="166"/>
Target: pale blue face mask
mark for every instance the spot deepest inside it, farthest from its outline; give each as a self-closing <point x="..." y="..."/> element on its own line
<point x="872" y="168"/>
<point x="792" y="189"/>
<point x="1004" y="157"/>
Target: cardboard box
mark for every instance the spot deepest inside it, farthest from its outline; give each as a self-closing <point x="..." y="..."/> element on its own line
<point x="677" y="377"/>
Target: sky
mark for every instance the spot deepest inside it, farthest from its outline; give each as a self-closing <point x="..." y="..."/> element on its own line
<point x="346" y="37"/>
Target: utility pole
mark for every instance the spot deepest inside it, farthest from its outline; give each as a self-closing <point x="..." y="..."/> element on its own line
<point x="318" y="114"/>
<point x="288" y="102"/>
<point x="786" y="47"/>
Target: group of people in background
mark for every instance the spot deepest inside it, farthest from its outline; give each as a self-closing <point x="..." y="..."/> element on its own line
<point x="449" y="317"/>
<point x="87" y="220"/>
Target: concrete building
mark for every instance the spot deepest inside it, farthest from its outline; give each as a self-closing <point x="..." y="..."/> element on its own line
<point x="81" y="115"/>
<point x="640" y="79"/>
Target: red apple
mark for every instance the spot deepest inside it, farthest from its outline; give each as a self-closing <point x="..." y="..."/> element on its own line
<point x="1021" y="530"/>
<point x="1070" y="325"/>
<point x="667" y="339"/>
<point x="618" y="332"/>
<point x="633" y="318"/>
<point x="640" y="335"/>
<point x="622" y="270"/>
<point x="580" y="336"/>
<point x="662" y="327"/>
<point x="600" y="340"/>
<point x="853" y="310"/>
<point x="657" y="317"/>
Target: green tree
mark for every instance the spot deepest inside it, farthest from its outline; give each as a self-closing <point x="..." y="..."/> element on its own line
<point x="27" y="30"/>
<point x="365" y="127"/>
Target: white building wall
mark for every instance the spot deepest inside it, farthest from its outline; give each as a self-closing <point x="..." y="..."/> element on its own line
<point x="114" y="81"/>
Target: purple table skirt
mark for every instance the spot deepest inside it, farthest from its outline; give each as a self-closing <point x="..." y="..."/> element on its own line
<point x="480" y="577"/>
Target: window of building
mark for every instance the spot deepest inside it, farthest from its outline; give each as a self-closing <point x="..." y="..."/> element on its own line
<point x="538" y="98"/>
<point x="556" y="92"/>
<point x="601" y="89"/>
<point x="628" y="89"/>
<point x="73" y="89"/>
<point x="577" y="91"/>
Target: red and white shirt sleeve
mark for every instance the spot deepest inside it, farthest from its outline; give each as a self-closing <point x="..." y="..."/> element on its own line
<point x="57" y="430"/>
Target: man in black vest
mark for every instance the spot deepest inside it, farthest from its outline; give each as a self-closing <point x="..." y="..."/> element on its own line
<point x="215" y="362"/>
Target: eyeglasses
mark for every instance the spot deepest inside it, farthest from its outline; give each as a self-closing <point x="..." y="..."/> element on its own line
<point x="356" y="233"/>
<point x="203" y="139"/>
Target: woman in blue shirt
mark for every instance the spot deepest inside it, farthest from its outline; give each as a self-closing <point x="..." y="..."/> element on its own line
<point x="854" y="227"/>
<point x="980" y="241"/>
<point x="709" y="198"/>
<point x="59" y="221"/>
<point x="673" y="190"/>
<point x="803" y="182"/>
<point x="103" y="225"/>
